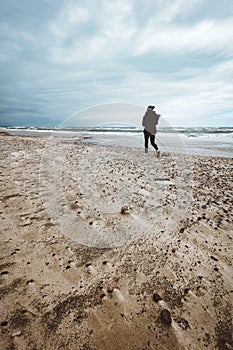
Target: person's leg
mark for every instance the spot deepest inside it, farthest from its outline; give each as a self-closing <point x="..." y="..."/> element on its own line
<point x="146" y="138"/>
<point x="152" y="141"/>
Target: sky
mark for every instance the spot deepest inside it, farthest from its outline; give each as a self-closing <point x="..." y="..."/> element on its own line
<point x="59" y="58"/>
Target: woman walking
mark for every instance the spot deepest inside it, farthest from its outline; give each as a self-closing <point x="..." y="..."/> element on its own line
<point x="149" y="121"/>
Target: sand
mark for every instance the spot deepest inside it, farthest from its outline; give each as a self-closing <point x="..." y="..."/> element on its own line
<point x="97" y="241"/>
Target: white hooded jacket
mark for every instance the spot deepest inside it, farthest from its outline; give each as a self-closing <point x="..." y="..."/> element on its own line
<point x="150" y="120"/>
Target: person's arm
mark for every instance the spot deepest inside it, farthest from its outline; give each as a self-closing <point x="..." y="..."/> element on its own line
<point x="143" y="120"/>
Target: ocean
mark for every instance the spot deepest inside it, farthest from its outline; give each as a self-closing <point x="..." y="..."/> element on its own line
<point x="207" y="141"/>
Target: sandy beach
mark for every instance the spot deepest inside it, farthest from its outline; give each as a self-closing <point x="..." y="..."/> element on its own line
<point x="108" y="248"/>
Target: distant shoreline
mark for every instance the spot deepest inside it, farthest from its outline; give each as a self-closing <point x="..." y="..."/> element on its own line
<point x="196" y="141"/>
<point x="127" y="129"/>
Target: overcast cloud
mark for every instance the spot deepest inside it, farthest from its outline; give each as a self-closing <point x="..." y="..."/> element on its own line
<point x="60" y="57"/>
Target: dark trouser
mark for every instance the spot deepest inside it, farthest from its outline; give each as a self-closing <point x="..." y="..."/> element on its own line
<point x="147" y="135"/>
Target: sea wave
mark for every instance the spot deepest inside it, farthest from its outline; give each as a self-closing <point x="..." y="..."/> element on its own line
<point x="195" y="131"/>
<point x="181" y="130"/>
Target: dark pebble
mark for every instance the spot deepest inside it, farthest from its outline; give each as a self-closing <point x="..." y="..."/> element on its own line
<point x="4" y="324"/>
<point x="165" y="317"/>
<point x="124" y="210"/>
<point x="4" y="273"/>
<point x="213" y="257"/>
<point x="111" y="288"/>
<point x="30" y="281"/>
<point x="182" y="230"/>
<point x="156" y="297"/>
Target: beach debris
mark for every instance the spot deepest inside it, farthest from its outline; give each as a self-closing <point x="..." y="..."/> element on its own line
<point x="16" y="334"/>
<point x="30" y="281"/>
<point x="125" y="210"/>
<point x="112" y="287"/>
<point x="156" y="297"/>
<point x="183" y="323"/>
<point x="27" y="309"/>
<point x="144" y="192"/>
<point x="25" y="221"/>
<point x="214" y="258"/>
<point x="4" y="273"/>
<point x="4" y="133"/>
<point x="165" y="317"/>
<point x="124" y="317"/>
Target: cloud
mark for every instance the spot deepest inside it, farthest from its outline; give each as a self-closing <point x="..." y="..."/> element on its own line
<point x="208" y="36"/>
<point x="80" y="35"/>
<point x="64" y="56"/>
<point x="118" y="34"/>
<point x="179" y="8"/>
<point x="199" y="98"/>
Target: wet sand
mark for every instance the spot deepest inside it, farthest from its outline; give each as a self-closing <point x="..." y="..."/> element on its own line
<point x="98" y="241"/>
